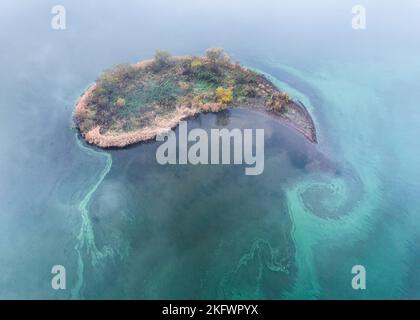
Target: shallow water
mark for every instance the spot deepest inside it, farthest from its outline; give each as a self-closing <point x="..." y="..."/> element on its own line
<point x="126" y="227"/>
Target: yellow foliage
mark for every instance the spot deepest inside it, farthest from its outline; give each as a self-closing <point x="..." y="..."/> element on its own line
<point x="285" y="96"/>
<point x="223" y="95"/>
<point x="196" y="63"/>
<point x="120" y="102"/>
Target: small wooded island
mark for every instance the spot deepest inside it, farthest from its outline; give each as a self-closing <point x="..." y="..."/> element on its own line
<point x="135" y="102"/>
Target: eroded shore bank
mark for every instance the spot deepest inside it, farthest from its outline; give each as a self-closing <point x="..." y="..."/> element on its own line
<point x="296" y="117"/>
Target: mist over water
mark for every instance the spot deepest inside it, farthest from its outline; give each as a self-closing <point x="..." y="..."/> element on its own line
<point x="126" y="227"/>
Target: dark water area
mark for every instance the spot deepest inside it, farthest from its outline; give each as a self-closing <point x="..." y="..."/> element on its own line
<point x="200" y="231"/>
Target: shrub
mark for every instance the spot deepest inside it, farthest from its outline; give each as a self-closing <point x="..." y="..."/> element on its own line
<point x="224" y="96"/>
<point x="248" y="91"/>
<point x="285" y="96"/>
<point x="196" y="63"/>
<point x="244" y="77"/>
<point x="123" y="72"/>
<point x="120" y="102"/>
<point x="276" y="102"/>
<point x="107" y="83"/>
<point x="208" y="74"/>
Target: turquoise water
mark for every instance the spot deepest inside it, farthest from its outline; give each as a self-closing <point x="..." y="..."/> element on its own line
<point x="125" y="227"/>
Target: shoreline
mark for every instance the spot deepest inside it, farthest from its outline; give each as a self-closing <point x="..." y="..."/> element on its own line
<point x="309" y="133"/>
<point x="126" y="139"/>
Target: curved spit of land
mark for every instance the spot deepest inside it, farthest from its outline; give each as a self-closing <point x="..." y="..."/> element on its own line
<point x="136" y="102"/>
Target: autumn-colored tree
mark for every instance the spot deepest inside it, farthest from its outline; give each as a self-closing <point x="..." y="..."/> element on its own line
<point x="223" y="95"/>
<point x="216" y="54"/>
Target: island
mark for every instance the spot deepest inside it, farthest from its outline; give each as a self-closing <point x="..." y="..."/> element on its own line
<point x="136" y="102"/>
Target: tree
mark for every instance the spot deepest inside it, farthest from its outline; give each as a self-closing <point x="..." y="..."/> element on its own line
<point x="162" y="59"/>
<point x="124" y="72"/>
<point x="216" y="54"/>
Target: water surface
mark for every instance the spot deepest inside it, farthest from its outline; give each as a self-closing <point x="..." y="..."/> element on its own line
<point x="126" y="227"/>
